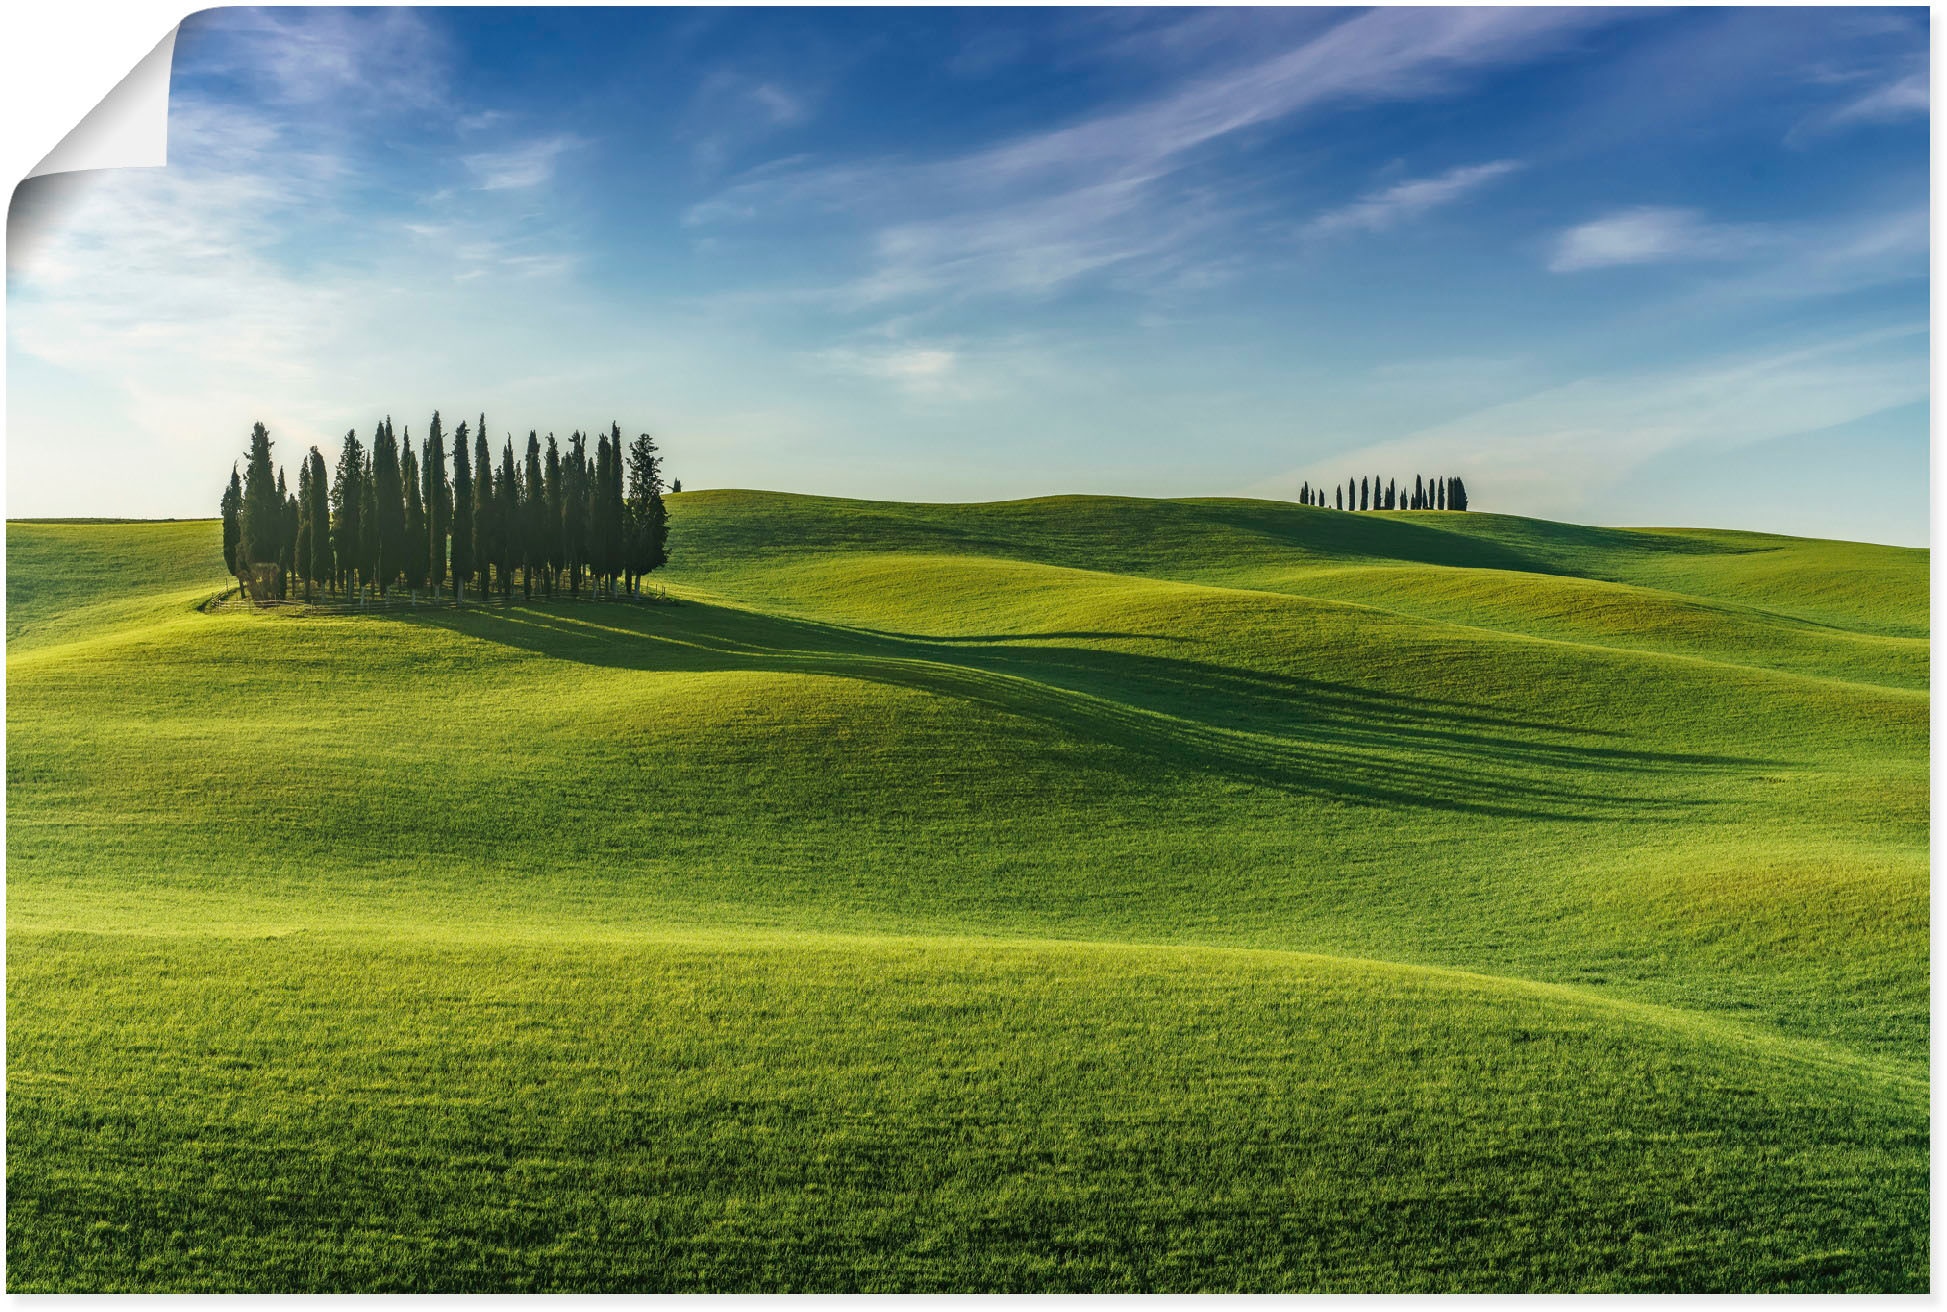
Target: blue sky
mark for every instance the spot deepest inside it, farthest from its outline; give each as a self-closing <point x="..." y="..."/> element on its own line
<point x="1621" y="267"/>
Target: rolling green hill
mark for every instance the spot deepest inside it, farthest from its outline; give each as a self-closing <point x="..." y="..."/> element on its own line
<point x="1079" y="893"/>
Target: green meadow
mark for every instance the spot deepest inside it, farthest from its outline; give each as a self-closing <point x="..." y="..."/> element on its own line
<point x="1067" y="894"/>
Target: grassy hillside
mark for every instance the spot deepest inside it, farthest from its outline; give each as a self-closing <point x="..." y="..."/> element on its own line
<point x="1075" y="893"/>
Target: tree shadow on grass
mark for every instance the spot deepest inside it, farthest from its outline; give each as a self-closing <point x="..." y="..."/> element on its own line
<point x="1298" y="735"/>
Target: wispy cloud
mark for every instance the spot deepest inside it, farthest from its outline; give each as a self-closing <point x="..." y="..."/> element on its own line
<point x="1650" y="234"/>
<point x="1905" y="97"/>
<point x="733" y="110"/>
<point x="920" y="371"/>
<point x="1881" y="83"/>
<point x="1549" y="452"/>
<point x="173" y="291"/>
<point x="350" y="62"/>
<point x="1045" y="209"/>
<point x="1756" y="262"/>
<point x="1403" y="201"/>
<point x="526" y="165"/>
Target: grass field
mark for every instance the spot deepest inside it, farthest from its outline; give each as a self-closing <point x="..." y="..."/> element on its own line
<point x="1077" y="893"/>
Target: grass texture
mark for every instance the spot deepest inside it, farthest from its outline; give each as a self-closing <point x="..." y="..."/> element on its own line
<point x="1079" y="893"/>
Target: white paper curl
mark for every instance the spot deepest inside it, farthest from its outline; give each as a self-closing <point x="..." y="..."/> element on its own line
<point x="129" y="128"/>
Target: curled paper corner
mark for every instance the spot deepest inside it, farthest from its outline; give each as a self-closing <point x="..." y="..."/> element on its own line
<point x="128" y="129"/>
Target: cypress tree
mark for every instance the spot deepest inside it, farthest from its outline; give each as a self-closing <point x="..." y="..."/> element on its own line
<point x="438" y="503"/>
<point x="648" y="521"/>
<point x="368" y="538"/>
<point x="551" y="511"/>
<point x="304" y="565"/>
<point x="286" y="536"/>
<point x="348" y="513"/>
<point x="1458" y="497"/>
<point x="1419" y="493"/>
<point x="1338" y="495"/>
<point x="1362" y="492"/>
<point x="618" y="505"/>
<point x="462" y="513"/>
<point x="320" y="517"/>
<point x="486" y="535"/>
<point x="592" y="514"/>
<point x="232" y="520"/>
<point x="574" y="505"/>
<point x="1440" y="491"/>
<point x="1305" y="493"/>
<point x="507" y="518"/>
<point x="675" y="485"/>
<point x="388" y="490"/>
<point x="261" y="522"/>
<point x="535" y="536"/>
<point x="603" y="531"/>
<point x="417" y="548"/>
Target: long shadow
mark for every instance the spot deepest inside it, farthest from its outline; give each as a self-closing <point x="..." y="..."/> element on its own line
<point x="1301" y="736"/>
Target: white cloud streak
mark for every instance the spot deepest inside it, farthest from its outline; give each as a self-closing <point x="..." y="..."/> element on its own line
<point x="172" y="297"/>
<point x="1404" y="201"/>
<point x="529" y="164"/>
<point x="921" y="371"/>
<point x="1759" y="262"/>
<point x="1905" y="97"/>
<point x="1651" y="234"/>
<point x="1112" y="192"/>
<point x="1550" y="452"/>
<point x="349" y="62"/>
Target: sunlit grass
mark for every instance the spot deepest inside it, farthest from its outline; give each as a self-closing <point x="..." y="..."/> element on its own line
<point x="1068" y="894"/>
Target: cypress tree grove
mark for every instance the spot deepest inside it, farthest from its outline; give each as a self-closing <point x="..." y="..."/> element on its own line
<point x="320" y="571"/>
<point x="438" y="503"/>
<point x="347" y="513"/>
<point x="417" y="548"/>
<point x="648" y="521"/>
<point x="369" y="527"/>
<point x="534" y="517"/>
<point x="462" y="513"/>
<point x="232" y="520"/>
<point x="507" y="518"/>
<point x="260" y="524"/>
<point x="486" y="535"/>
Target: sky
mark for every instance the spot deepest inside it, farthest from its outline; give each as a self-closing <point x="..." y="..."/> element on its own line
<point x="1624" y="267"/>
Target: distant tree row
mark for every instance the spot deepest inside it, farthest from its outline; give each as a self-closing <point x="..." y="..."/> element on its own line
<point x="1367" y="494"/>
<point x="386" y="519"/>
